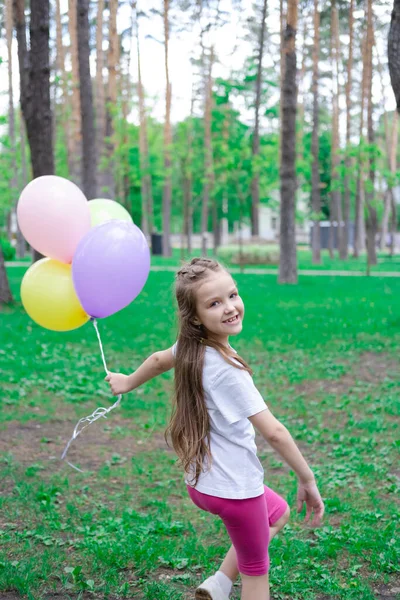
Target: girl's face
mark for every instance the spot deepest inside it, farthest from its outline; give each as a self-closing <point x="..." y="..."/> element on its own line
<point x="219" y="307"/>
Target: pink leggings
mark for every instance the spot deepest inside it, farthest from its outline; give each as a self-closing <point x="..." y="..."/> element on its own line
<point x="247" y="522"/>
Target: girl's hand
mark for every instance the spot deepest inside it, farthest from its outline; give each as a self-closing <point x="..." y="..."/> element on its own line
<point x="308" y="493"/>
<point x="119" y="383"/>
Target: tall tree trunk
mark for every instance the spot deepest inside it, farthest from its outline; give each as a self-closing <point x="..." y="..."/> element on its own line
<point x="76" y="120"/>
<point x="113" y="50"/>
<point x="282" y="24"/>
<point x="372" y="216"/>
<point x="208" y="158"/>
<point x="188" y="183"/>
<point x="394" y="51"/>
<point x="359" y="230"/>
<point x="145" y="175"/>
<point x="5" y="291"/>
<point x="255" y="181"/>
<point x="288" y="257"/>
<point x="11" y="112"/>
<point x="34" y="68"/>
<point x="89" y="167"/>
<point x="391" y="139"/>
<point x="315" y="179"/>
<point x="167" y="192"/>
<point x="336" y="201"/>
<point x="64" y="85"/>
<point x="21" y="243"/>
<point x="348" y="161"/>
<point x="100" y="93"/>
<point x="301" y="94"/>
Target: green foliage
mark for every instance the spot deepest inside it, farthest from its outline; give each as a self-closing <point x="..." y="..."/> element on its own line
<point x="7" y="249"/>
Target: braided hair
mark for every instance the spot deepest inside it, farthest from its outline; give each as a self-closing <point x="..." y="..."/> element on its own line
<point x="189" y="427"/>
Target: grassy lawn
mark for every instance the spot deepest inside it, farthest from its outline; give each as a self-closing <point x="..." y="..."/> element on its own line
<point x="326" y="359"/>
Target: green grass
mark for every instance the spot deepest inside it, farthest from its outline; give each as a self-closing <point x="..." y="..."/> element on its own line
<point x="325" y="356"/>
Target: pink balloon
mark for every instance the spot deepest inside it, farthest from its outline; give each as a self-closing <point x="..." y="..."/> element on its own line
<point x="53" y="215"/>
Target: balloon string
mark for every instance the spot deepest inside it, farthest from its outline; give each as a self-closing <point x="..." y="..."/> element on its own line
<point x="97" y="414"/>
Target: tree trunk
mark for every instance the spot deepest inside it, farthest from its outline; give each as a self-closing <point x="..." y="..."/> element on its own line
<point x="113" y="50"/>
<point x="145" y="175"/>
<point x="34" y="68"/>
<point x="76" y="120"/>
<point x="89" y="167"/>
<point x="167" y="192"/>
<point x="346" y="208"/>
<point x="21" y="243"/>
<point x="288" y="257"/>
<point x="100" y="92"/>
<point x="394" y="51"/>
<point x="11" y="111"/>
<point x="359" y="231"/>
<point x="255" y="181"/>
<point x="282" y="21"/>
<point x="336" y="201"/>
<point x="301" y="94"/>
<point x="208" y="158"/>
<point x="188" y="183"/>
<point x="372" y="216"/>
<point x="64" y="84"/>
<point x="315" y="179"/>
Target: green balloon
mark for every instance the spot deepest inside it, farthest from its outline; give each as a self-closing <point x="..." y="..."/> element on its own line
<point x="103" y="210"/>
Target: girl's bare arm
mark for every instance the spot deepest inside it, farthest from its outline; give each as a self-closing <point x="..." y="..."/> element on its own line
<point x="154" y="365"/>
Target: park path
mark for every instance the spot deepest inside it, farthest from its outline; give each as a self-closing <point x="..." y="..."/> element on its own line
<point x="261" y="271"/>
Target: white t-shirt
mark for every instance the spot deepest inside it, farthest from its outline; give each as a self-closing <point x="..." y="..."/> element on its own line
<point x="231" y="397"/>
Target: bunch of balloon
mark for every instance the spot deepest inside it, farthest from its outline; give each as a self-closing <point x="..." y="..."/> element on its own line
<point x="97" y="261"/>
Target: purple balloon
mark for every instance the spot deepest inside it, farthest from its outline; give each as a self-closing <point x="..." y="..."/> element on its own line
<point x="110" y="267"/>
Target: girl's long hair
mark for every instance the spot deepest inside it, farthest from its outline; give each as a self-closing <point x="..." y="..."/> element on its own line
<point x="189" y="427"/>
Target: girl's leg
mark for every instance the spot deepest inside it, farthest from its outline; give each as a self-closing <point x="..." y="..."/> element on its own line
<point x="255" y="588"/>
<point x="229" y="565"/>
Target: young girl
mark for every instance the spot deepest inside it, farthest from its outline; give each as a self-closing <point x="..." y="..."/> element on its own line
<point x="216" y="405"/>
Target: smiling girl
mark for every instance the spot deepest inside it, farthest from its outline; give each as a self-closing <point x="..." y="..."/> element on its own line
<point x="216" y="408"/>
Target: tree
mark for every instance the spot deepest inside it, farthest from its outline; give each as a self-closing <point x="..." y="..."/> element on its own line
<point x="288" y="257"/>
<point x="65" y="120"/>
<point x="315" y="179"/>
<point x="112" y="59"/>
<point x="76" y="120"/>
<point x="100" y="92"/>
<point x="145" y="175"/>
<point x="167" y="192"/>
<point x="255" y="182"/>
<point x="34" y="69"/>
<point x="346" y="204"/>
<point x="372" y="216"/>
<point x="394" y="51"/>
<point x="89" y="159"/>
<point x="336" y="201"/>
<point x="11" y="119"/>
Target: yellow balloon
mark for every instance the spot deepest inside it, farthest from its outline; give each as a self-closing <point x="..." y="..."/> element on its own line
<point x="103" y="210"/>
<point x="49" y="297"/>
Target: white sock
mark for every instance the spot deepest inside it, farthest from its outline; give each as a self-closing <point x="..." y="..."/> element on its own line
<point x="224" y="582"/>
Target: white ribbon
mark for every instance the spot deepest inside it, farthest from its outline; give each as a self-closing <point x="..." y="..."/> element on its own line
<point x="97" y="414"/>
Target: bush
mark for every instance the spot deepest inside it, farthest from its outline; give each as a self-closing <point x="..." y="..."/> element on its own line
<point x="7" y="249"/>
<point x="251" y="254"/>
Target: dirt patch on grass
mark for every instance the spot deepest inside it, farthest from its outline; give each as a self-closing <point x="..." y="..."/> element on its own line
<point x="33" y="442"/>
<point x="372" y="368"/>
